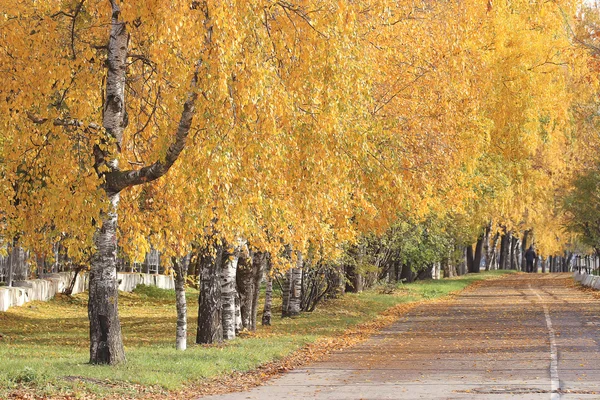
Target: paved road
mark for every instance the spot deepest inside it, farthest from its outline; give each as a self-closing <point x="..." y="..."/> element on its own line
<point x="521" y="337"/>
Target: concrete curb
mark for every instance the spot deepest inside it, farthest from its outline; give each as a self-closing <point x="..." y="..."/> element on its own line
<point x="591" y="281"/>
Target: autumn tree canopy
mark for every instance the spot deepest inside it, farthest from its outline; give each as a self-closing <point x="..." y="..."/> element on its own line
<point x="301" y="123"/>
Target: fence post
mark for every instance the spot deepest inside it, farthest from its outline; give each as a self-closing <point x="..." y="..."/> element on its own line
<point x="11" y="260"/>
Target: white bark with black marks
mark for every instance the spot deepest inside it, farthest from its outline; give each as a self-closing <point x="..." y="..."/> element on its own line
<point x="292" y="296"/>
<point x="180" y="267"/>
<point x="228" y="293"/>
<point x="106" y="342"/>
<point x="266" y="316"/>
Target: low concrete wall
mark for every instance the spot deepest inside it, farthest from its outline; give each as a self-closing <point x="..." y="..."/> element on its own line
<point x="591" y="281"/>
<point x="49" y="285"/>
<point x="128" y="281"/>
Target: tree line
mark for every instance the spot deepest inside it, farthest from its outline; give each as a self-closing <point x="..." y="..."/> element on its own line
<point x="289" y="139"/>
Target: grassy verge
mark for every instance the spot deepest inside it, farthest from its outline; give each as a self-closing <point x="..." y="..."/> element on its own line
<point x="44" y="346"/>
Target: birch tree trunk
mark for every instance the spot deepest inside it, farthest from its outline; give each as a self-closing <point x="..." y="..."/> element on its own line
<point x="238" y="314"/>
<point x="245" y="289"/>
<point x="295" y="303"/>
<point x="544" y="265"/>
<point x="181" y="267"/>
<point x="292" y="293"/>
<point x="210" y="328"/>
<point x="106" y="342"/>
<point x="259" y="261"/>
<point x="447" y="270"/>
<point x="490" y="253"/>
<point x="228" y="293"/>
<point x="514" y="253"/>
<point x="266" y="316"/>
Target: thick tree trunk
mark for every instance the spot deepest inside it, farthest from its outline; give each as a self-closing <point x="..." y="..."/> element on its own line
<point x="292" y="304"/>
<point x="210" y="327"/>
<point x="228" y="292"/>
<point x="447" y="269"/>
<point x="295" y="304"/>
<point x="266" y="317"/>
<point x="426" y="273"/>
<point x="106" y="342"/>
<point x="470" y="258"/>
<point x="354" y="280"/>
<point x="181" y="267"/>
<point x="437" y="270"/>
<point x="407" y="274"/>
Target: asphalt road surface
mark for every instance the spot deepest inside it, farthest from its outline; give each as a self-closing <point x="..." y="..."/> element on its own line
<point x="528" y="336"/>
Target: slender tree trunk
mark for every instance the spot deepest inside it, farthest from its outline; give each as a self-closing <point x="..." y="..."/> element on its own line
<point x="462" y="265"/>
<point x="259" y="261"/>
<point x="266" y="317"/>
<point x="543" y="265"/>
<point x="106" y="342"/>
<point x="238" y="314"/>
<point x="478" y="254"/>
<point x="491" y="253"/>
<point x="228" y="293"/>
<point x="11" y="263"/>
<point x="181" y="267"/>
<point x="524" y="246"/>
<point x="210" y="327"/>
<point x="69" y="290"/>
<point x="245" y="288"/>
<point x="502" y="261"/>
<point x="285" y="292"/>
<point x="512" y="251"/>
